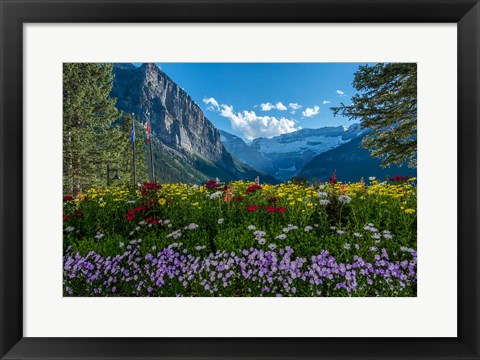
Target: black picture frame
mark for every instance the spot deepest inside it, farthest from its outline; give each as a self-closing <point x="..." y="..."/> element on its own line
<point x="14" y="13"/>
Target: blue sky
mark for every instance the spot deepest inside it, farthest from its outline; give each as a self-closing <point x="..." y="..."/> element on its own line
<point x="266" y="99"/>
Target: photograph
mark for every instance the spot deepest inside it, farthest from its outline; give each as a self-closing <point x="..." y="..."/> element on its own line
<point x="239" y="179"/>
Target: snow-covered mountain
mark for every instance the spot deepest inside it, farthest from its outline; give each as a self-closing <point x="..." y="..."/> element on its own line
<point x="285" y="155"/>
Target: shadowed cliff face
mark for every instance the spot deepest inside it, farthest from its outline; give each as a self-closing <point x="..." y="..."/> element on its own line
<point x="175" y="118"/>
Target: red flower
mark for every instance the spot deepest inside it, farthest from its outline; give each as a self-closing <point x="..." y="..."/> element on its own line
<point x="399" y="178"/>
<point x="149" y="219"/>
<point x="281" y="209"/>
<point x="67" y="198"/>
<point x="65" y="218"/>
<point x="273" y="199"/>
<point x="212" y="184"/>
<point x="239" y="198"/>
<point x="252" y="188"/>
<point x="253" y="208"/>
<point x="271" y="209"/>
<point x="155" y="222"/>
<point x="148" y="186"/>
<point x="333" y="178"/>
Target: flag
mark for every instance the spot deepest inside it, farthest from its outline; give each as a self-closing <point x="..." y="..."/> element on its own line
<point x="147" y="129"/>
<point x="132" y="139"/>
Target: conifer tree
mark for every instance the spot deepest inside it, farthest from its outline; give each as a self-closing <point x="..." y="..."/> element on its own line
<point x="90" y="141"/>
<point x="386" y="104"/>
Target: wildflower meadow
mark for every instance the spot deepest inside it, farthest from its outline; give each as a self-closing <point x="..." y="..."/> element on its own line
<point x="243" y="239"/>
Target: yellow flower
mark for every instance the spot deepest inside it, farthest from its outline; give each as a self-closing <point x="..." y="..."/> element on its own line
<point x="162" y="201"/>
<point x="409" y="211"/>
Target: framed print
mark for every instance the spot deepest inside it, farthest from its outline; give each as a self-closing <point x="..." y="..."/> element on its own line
<point x="239" y="179"/>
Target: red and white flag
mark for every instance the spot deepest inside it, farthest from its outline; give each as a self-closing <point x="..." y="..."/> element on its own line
<point x="147" y="129"/>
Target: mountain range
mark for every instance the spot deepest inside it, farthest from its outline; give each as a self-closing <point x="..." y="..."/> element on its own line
<point x="188" y="147"/>
<point x="284" y="156"/>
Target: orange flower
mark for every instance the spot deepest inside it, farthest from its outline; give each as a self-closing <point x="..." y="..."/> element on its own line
<point x="228" y="195"/>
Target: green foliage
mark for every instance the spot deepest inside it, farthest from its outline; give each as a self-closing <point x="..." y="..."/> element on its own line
<point x="89" y="140"/>
<point x="386" y="103"/>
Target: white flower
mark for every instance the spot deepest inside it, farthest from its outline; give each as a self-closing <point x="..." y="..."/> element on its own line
<point x="376" y="236"/>
<point x="176" y="234"/>
<point x="137" y="228"/>
<point x="289" y="228"/>
<point x="347" y="246"/>
<point x="387" y="236"/>
<point x="281" y="237"/>
<point x="166" y="222"/>
<point x="373" y="249"/>
<point x="406" y="249"/>
<point x="262" y="241"/>
<point x="272" y="246"/>
<point x="371" y="178"/>
<point x="141" y="222"/>
<point x="308" y="228"/>
<point x="322" y="194"/>
<point x="191" y="226"/>
<point x="333" y="228"/>
<point x="324" y="202"/>
<point x="220" y="221"/>
<point x="195" y="186"/>
<point x="340" y="232"/>
<point x="216" y="194"/>
<point x="344" y="199"/>
<point x="357" y="235"/>
<point x="122" y="244"/>
<point x="198" y="247"/>
<point x="69" y="229"/>
<point x="130" y="201"/>
<point x="321" y="187"/>
<point x="259" y="233"/>
<point x="99" y="235"/>
<point x="251" y="227"/>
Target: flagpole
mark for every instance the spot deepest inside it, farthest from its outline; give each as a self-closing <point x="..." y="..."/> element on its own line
<point x="151" y="151"/>
<point x="134" y="152"/>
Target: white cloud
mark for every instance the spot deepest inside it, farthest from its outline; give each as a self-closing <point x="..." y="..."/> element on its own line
<point x="266" y="106"/>
<point x="253" y="126"/>
<point x="211" y="101"/>
<point x="294" y="106"/>
<point x="309" y="112"/>
<point x="269" y="106"/>
<point x="340" y="92"/>
<point x="326" y="102"/>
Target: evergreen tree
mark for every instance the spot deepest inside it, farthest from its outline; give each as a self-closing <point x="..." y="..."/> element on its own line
<point x="90" y="142"/>
<point x="386" y="103"/>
